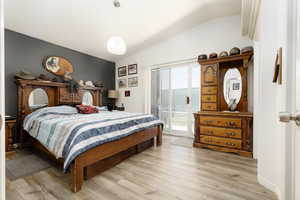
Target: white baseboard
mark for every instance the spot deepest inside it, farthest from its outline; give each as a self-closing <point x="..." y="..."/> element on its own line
<point x="269" y="185"/>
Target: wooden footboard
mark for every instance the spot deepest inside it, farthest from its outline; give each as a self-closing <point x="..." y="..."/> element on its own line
<point x="85" y="165"/>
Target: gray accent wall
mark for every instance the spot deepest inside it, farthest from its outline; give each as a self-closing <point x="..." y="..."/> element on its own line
<point x="26" y="53"/>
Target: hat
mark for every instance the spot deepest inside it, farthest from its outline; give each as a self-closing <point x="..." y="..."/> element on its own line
<point x="98" y="83"/>
<point x="25" y="75"/>
<point x="43" y="77"/>
<point x="235" y="51"/>
<point x="213" y="55"/>
<point x="202" y="57"/>
<point x="223" y="54"/>
<point x="247" y="49"/>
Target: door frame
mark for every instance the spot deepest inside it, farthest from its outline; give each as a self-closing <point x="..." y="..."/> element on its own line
<point x="293" y="28"/>
<point x="2" y="136"/>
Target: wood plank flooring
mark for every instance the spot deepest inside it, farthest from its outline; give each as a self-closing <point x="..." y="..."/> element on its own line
<point x="172" y="171"/>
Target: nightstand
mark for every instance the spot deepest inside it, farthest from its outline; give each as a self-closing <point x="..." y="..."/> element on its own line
<point x="9" y="125"/>
<point x="120" y="108"/>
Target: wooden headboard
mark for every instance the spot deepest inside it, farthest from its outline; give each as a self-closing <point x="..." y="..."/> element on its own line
<point x="58" y="94"/>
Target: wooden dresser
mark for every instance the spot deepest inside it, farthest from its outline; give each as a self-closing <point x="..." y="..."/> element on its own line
<point x="215" y="126"/>
<point x="224" y="131"/>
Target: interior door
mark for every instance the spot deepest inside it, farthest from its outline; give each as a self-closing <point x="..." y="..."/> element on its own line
<point x="297" y="100"/>
<point x="2" y="138"/>
<point x="293" y="100"/>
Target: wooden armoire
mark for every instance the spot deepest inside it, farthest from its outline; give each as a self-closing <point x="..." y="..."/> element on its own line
<point x="216" y="127"/>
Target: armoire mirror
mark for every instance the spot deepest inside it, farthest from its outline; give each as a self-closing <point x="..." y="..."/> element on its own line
<point x="38" y="98"/>
<point x="87" y="98"/>
<point x="232" y="87"/>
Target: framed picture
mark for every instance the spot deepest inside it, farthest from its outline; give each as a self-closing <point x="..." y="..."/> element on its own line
<point x="127" y="93"/>
<point x="122" y="83"/>
<point x="132" y="69"/>
<point x="133" y="82"/>
<point x="122" y="71"/>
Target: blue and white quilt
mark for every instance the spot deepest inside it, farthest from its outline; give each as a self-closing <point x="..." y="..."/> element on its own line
<point x="67" y="134"/>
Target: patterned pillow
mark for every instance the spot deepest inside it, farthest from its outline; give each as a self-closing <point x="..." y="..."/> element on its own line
<point x="84" y="109"/>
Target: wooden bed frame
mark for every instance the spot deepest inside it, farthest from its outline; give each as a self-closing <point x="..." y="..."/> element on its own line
<point x="93" y="161"/>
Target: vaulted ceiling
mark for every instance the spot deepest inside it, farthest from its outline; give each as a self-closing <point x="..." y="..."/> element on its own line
<point x="86" y="25"/>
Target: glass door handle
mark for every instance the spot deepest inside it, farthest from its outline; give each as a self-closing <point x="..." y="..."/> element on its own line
<point x="188" y="100"/>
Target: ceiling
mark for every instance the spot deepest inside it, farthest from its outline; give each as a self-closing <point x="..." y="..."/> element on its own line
<point x="86" y="25"/>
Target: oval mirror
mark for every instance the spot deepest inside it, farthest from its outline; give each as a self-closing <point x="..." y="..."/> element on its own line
<point x="38" y="98"/>
<point x="87" y="98"/>
<point x="232" y="87"/>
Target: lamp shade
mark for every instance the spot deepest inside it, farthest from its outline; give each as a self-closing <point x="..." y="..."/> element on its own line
<point x="116" y="45"/>
<point x="113" y="94"/>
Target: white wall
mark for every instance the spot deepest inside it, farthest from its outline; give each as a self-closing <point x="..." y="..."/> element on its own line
<point x="269" y="97"/>
<point x="214" y="36"/>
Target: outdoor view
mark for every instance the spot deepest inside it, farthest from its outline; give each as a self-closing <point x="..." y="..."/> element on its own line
<point x="176" y="85"/>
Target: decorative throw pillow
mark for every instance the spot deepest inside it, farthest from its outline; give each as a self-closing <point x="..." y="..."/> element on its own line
<point x="84" y="109"/>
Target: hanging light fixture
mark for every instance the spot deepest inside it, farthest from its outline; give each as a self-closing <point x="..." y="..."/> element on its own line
<point x="116" y="45"/>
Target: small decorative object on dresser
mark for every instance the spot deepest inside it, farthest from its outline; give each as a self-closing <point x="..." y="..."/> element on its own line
<point x="213" y="55"/>
<point x="234" y="51"/>
<point x="133" y="82"/>
<point x="10" y="123"/>
<point x="202" y="57"/>
<point x="224" y="123"/>
<point x="132" y="69"/>
<point x="122" y="71"/>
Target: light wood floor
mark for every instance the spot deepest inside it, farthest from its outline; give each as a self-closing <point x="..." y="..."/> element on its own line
<point x="173" y="171"/>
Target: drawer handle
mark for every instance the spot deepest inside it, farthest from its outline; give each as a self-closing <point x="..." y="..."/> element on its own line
<point x="231" y="134"/>
<point x="230" y="144"/>
<point x="231" y="123"/>
<point x="208" y="122"/>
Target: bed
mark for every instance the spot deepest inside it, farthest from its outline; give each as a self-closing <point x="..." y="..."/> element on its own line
<point x="86" y="144"/>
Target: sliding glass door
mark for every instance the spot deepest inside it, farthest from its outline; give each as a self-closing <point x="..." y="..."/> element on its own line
<point x="175" y="96"/>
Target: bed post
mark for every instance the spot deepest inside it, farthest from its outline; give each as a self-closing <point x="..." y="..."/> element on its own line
<point x="77" y="175"/>
<point x="159" y="135"/>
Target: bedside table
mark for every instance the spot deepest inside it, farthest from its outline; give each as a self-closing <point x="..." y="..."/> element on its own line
<point x="9" y="125"/>
<point x="120" y="108"/>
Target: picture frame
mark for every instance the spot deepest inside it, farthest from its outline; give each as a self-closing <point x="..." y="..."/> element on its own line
<point x="132" y="69"/>
<point x="127" y="93"/>
<point x="122" y="71"/>
<point x="133" y="82"/>
<point x="122" y="83"/>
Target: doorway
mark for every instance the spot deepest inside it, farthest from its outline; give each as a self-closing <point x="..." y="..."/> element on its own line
<point x="175" y="92"/>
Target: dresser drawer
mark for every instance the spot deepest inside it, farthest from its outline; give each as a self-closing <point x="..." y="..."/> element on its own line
<point x="223" y="132"/>
<point x="209" y="90"/>
<point x="209" y="106"/>
<point x="221" y="121"/>
<point x="218" y="141"/>
<point x="209" y="98"/>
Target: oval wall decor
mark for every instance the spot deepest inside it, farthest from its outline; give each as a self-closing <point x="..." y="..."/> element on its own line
<point x="59" y="66"/>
